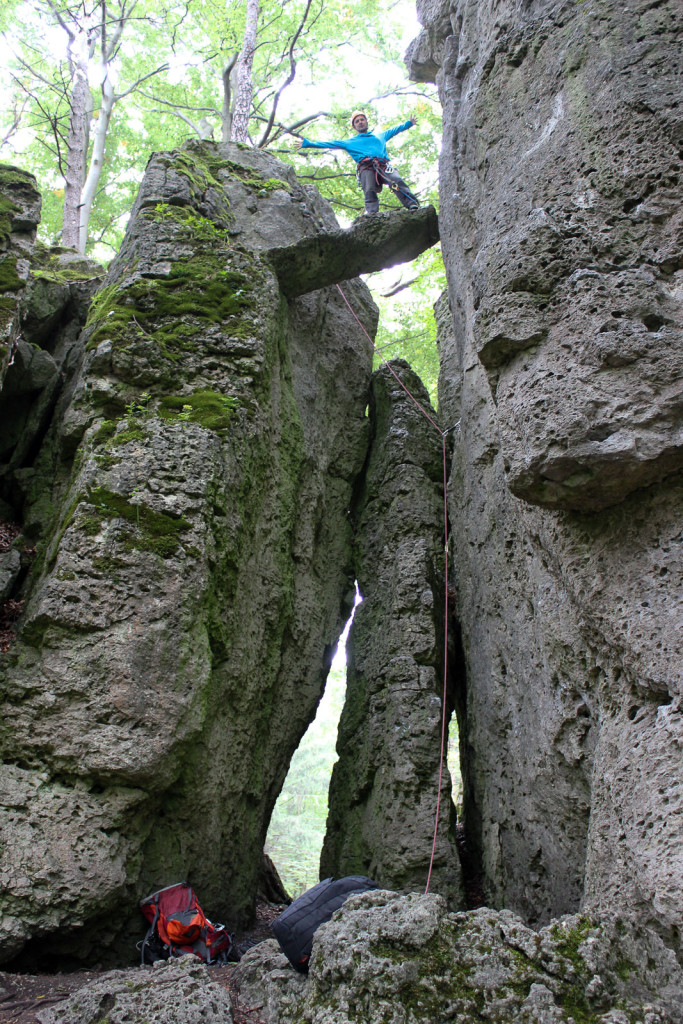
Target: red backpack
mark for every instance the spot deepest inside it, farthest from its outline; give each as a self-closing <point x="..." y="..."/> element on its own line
<point x="178" y="925"/>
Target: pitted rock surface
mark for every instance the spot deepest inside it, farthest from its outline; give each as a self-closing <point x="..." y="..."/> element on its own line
<point x="194" y="561"/>
<point x="172" y="992"/>
<point x="560" y="203"/>
<point x="384" y="787"/>
<point x="560" y="356"/>
<point x="371" y="243"/>
<point x="390" y="959"/>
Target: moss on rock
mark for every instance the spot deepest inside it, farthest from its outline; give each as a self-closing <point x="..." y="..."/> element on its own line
<point x="207" y="408"/>
<point x="9" y="279"/>
<point x="153" y="531"/>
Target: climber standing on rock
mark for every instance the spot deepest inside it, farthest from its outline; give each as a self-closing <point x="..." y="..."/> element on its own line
<point x="373" y="170"/>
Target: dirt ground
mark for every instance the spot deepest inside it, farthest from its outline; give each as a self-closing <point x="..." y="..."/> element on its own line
<point x="22" y="996"/>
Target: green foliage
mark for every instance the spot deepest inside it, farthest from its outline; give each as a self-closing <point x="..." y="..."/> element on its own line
<point x="297" y="826"/>
<point x="339" y="66"/>
<point x="407" y="328"/>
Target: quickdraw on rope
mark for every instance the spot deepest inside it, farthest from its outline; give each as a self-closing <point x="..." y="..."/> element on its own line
<point x="442" y="434"/>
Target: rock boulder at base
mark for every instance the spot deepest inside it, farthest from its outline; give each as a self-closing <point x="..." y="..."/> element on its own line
<point x="172" y="992"/>
<point x="390" y="959"/>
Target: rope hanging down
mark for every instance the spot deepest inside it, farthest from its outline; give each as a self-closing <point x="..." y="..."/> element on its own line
<point x="442" y="434"/>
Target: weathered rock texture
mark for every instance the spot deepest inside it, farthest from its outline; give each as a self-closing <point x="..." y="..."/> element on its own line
<point x="44" y="296"/>
<point x="561" y="360"/>
<point x="195" y="570"/>
<point x="383" y="793"/>
<point x="189" y="488"/>
<point x="563" y="155"/>
<point x="387" y="959"/>
<point x="371" y="243"/>
<point x="173" y="992"/>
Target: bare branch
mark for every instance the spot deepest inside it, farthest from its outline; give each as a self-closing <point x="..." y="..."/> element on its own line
<point x="18" y="112"/>
<point x="320" y="177"/>
<point x="399" y="287"/>
<point x="176" y="106"/>
<point x="290" y="77"/>
<point x="133" y="87"/>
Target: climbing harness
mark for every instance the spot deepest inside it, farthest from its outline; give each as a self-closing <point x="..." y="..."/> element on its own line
<point x="443" y="434"/>
<point x="381" y="169"/>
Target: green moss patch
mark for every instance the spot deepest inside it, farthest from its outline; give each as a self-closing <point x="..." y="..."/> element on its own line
<point x="253" y="180"/>
<point x="434" y="960"/>
<point x="12" y="176"/>
<point x="207" y="408"/>
<point x="202" y="165"/>
<point x="191" y="224"/>
<point x="201" y="288"/>
<point x="104" y="433"/>
<point x="9" y="279"/>
<point x="7" y="208"/>
<point x="46" y="265"/>
<point x="152" y="531"/>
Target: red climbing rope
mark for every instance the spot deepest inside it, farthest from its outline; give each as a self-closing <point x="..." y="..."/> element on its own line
<point x="442" y="434"/>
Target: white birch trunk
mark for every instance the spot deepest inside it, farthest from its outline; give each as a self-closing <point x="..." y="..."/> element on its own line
<point x="80" y="49"/>
<point x="244" y="88"/>
<point x="76" y="147"/>
<point x="96" y="162"/>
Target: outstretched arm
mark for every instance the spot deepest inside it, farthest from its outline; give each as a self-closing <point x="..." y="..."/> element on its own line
<point x="332" y="144"/>
<point x="389" y="134"/>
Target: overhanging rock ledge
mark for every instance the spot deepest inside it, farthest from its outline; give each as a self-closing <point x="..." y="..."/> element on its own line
<point x="371" y="243"/>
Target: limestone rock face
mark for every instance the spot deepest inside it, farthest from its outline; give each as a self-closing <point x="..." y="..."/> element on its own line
<point x="561" y="360"/>
<point x="194" y="561"/>
<point x="44" y="295"/>
<point x="371" y="243"/>
<point x="180" y="991"/>
<point x="389" y="959"/>
<point x="559" y="185"/>
<point x="383" y="792"/>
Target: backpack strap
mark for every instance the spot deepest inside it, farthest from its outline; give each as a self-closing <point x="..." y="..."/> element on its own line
<point x="150" y="930"/>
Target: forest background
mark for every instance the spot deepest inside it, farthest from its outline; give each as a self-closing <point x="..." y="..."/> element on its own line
<point x="92" y="87"/>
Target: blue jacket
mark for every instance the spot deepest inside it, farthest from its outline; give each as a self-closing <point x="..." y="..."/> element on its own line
<point x="367" y="144"/>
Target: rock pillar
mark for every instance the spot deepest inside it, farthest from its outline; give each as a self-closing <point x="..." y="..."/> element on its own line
<point x="383" y="793"/>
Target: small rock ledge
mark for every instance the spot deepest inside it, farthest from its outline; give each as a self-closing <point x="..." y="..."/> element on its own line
<point x="371" y="243"/>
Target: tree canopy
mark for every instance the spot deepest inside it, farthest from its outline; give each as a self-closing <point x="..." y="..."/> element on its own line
<point x="93" y="87"/>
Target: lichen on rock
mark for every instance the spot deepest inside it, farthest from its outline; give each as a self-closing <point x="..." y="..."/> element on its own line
<point x="390" y="959"/>
<point x="561" y="364"/>
<point x="194" y="554"/>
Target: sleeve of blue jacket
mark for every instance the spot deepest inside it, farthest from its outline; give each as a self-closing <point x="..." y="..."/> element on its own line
<point x="366" y="145"/>
<point x="390" y="132"/>
<point x="333" y="144"/>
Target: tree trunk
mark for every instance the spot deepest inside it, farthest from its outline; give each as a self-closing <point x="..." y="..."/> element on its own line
<point x="76" y="146"/>
<point x="226" y="112"/>
<point x="79" y="53"/>
<point x="96" y="162"/>
<point x="244" y="89"/>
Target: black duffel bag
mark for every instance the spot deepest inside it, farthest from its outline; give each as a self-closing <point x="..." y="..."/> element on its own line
<point x="295" y="927"/>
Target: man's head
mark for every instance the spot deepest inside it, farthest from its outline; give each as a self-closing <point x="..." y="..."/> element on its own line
<point x="359" y="121"/>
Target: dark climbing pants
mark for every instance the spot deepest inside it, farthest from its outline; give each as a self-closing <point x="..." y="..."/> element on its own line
<point x="368" y="182"/>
